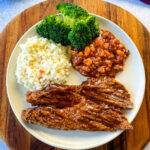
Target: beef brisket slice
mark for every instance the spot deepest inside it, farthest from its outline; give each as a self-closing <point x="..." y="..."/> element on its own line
<point x="86" y="115"/>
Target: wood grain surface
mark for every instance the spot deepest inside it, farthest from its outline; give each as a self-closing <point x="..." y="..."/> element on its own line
<point x="11" y="131"/>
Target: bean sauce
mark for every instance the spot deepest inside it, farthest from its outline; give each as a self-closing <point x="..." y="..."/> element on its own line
<point x="105" y="56"/>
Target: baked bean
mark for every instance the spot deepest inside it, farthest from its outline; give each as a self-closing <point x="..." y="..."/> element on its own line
<point x="85" y="68"/>
<point x="120" y="46"/>
<point x="118" y="67"/>
<point x="101" y="69"/>
<point x="111" y="56"/>
<point x="120" y="53"/>
<point x="92" y="47"/>
<point x="107" y="53"/>
<point x="105" y="56"/>
<point x="80" y="54"/>
<point x="102" y="54"/>
<point x="108" y="68"/>
<point x="98" y="42"/>
<point x="87" y="61"/>
<point x="98" y="58"/>
<point x="108" y="62"/>
<point x="105" y="34"/>
<point x="106" y="46"/>
<point x="116" y="41"/>
<point x="77" y="60"/>
<point x="87" y="51"/>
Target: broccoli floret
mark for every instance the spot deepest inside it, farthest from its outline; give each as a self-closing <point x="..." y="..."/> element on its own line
<point x="69" y="21"/>
<point x="71" y="10"/>
<point x="80" y="36"/>
<point x="73" y="26"/>
<point x="58" y="31"/>
<point x="94" y="28"/>
<point x="53" y="27"/>
<point x="83" y="33"/>
<point x="41" y="29"/>
<point x="78" y="19"/>
<point x="71" y="13"/>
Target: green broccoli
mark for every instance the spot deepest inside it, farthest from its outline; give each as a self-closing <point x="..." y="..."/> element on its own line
<point x="72" y="10"/>
<point x="80" y="36"/>
<point x="41" y="29"/>
<point x="83" y="33"/>
<point x="73" y="26"/>
<point x="58" y="31"/>
<point x="94" y="28"/>
<point x="71" y="13"/>
<point x="52" y="27"/>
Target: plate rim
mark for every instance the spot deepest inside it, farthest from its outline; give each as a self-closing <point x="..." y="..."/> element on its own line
<point x="68" y="146"/>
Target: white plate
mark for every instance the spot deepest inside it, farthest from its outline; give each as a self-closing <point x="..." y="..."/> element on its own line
<point x="133" y="78"/>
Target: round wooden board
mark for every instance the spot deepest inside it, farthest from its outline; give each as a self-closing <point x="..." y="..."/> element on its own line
<point x="11" y="131"/>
